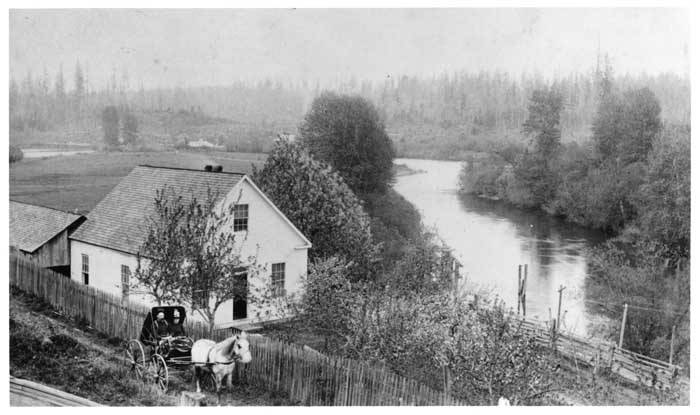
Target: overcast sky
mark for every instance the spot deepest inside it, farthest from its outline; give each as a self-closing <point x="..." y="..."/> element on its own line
<point x="216" y="47"/>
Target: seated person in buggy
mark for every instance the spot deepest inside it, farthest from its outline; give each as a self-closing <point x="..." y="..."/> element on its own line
<point x="165" y="333"/>
<point x="176" y="329"/>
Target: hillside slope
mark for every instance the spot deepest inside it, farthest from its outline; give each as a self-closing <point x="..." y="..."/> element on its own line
<point x="47" y="348"/>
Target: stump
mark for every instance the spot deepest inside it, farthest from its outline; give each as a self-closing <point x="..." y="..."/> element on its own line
<point x="192" y="399"/>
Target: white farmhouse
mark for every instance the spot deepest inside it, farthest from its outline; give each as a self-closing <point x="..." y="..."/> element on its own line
<point x="104" y="248"/>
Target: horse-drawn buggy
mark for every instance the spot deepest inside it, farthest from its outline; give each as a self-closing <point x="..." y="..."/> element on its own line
<point x="164" y="344"/>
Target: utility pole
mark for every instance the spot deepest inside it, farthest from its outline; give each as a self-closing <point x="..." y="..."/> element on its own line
<point x="622" y="328"/>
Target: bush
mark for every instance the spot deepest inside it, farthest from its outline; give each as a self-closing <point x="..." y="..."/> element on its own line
<point x="16" y="154"/>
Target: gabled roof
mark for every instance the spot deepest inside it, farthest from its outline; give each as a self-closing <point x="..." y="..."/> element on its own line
<point x="31" y="226"/>
<point x="119" y="221"/>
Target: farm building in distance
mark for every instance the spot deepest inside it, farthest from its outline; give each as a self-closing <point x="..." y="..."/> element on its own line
<point x="41" y="234"/>
<point x="104" y="249"/>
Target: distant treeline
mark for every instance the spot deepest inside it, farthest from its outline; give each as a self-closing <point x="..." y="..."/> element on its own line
<point x="439" y="117"/>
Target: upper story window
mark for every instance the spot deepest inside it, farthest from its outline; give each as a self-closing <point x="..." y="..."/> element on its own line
<point x="240" y="218"/>
<point x="86" y="269"/>
<point x="278" y="280"/>
<point x="126" y="276"/>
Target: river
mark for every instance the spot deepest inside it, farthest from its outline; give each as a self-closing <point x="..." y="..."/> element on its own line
<point x="491" y="238"/>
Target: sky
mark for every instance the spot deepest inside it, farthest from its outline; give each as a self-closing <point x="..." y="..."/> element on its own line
<point x="197" y="47"/>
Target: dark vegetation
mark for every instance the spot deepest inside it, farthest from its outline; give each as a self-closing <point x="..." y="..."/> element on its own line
<point x="16" y="154"/>
<point x="631" y="179"/>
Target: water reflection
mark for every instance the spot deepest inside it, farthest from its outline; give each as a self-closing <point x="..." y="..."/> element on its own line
<point x="492" y="238"/>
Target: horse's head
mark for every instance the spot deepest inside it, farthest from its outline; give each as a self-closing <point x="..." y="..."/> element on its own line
<point x="240" y="350"/>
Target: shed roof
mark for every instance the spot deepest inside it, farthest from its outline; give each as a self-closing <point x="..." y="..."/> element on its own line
<point x="31" y="226"/>
<point x="119" y="220"/>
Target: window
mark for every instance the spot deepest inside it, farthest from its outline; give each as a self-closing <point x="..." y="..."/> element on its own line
<point x="278" y="280"/>
<point x="86" y="269"/>
<point x="126" y="276"/>
<point x="240" y="218"/>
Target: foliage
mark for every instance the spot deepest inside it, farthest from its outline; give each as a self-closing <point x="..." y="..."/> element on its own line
<point x="317" y="200"/>
<point x="16" y="154"/>
<point x="347" y="133"/>
<point x="110" y="125"/>
<point x="130" y="128"/>
<point x="664" y="199"/>
<point x="160" y="258"/>
<point x="637" y="271"/>
<point x="534" y="169"/>
<point x="625" y="127"/>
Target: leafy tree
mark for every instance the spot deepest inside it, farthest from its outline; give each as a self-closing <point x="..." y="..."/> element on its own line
<point x="317" y="200"/>
<point x="110" y="125"/>
<point x="664" y="199"/>
<point x="542" y="124"/>
<point x="641" y="123"/>
<point x="346" y="132"/>
<point x="130" y="128"/>
<point x="542" y="127"/>
<point x="625" y="127"/>
<point x="161" y="257"/>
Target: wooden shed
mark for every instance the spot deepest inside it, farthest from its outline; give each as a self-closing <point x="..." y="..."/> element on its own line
<point x="41" y="234"/>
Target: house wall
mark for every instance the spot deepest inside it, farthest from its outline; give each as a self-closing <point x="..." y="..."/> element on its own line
<point x="269" y="238"/>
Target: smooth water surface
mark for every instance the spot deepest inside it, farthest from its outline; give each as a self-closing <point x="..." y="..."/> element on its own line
<point x="492" y="238"/>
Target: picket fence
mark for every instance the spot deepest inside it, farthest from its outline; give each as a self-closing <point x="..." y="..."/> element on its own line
<point x="599" y="354"/>
<point x="306" y="376"/>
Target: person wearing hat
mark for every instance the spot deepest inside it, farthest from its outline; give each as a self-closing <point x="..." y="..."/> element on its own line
<point x="176" y="329"/>
<point x="161" y="325"/>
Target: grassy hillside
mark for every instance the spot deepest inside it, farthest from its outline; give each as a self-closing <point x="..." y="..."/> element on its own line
<point x="48" y="348"/>
<point x="79" y="182"/>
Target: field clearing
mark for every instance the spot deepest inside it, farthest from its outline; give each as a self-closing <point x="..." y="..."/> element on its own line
<point x="78" y="182"/>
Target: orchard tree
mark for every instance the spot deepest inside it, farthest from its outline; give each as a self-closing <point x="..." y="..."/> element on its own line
<point x="317" y="200"/>
<point x="347" y="133"/>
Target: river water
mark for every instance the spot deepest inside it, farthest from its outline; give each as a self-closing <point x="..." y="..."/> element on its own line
<point x="491" y="238"/>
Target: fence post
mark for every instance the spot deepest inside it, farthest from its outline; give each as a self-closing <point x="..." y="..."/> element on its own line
<point x="622" y="328"/>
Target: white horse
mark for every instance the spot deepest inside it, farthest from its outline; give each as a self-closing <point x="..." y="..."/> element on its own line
<point x="219" y="359"/>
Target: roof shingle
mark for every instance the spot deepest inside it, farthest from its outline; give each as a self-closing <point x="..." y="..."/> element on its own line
<point x="31" y="226"/>
<point x="119" y="220"/>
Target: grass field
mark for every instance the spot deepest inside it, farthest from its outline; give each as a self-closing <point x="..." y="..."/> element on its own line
<point x="77" y="183"/>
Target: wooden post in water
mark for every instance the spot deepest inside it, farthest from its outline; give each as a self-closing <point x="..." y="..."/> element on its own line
<point x="520" y="286"/>
<point x="524" y="288"/>
<point x="622" y="328"/>
<point x="673" y="337"/>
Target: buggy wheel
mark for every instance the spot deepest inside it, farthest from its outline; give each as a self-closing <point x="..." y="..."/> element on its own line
<point x="136" y="358"/>
<point x="160" y="372"/>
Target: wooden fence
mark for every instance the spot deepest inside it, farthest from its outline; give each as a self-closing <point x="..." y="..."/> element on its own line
<point x="599" y="354"/>
<point x="306" y="376"/>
